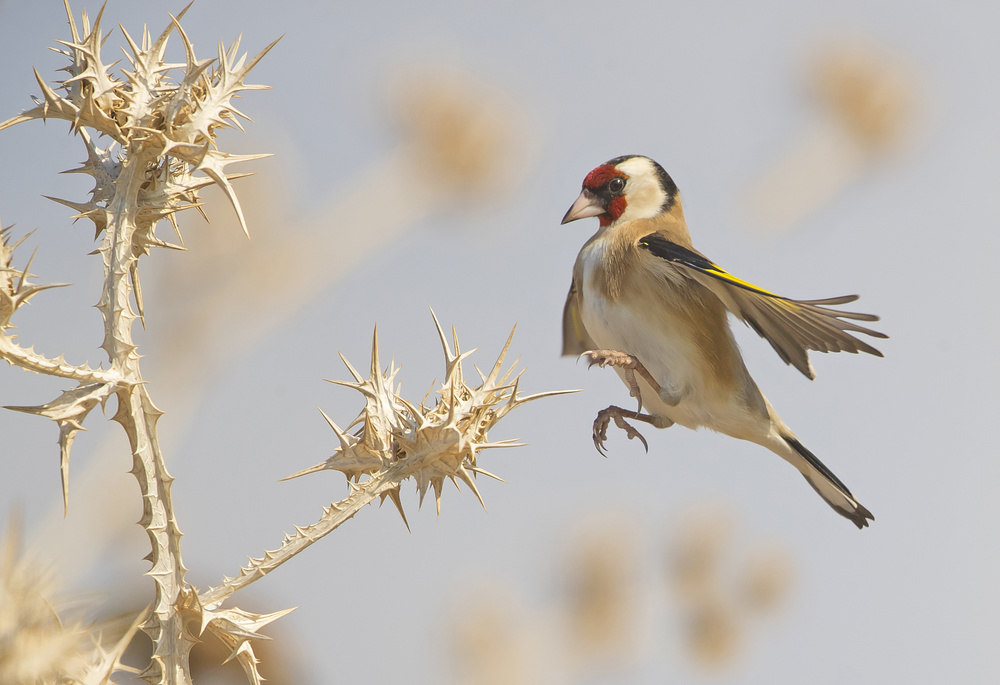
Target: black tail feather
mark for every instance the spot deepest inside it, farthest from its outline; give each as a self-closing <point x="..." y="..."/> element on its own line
<point x="857" y="514"/>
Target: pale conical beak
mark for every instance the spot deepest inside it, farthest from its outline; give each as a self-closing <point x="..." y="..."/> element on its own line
<point x="586" y="205"/>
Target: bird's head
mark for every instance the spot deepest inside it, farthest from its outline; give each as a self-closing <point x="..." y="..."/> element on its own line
<point x="623" y="189"/>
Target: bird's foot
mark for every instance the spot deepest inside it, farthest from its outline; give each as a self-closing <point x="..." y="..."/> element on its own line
<point x="631" y="366"/>
<point x="604" y="418"/>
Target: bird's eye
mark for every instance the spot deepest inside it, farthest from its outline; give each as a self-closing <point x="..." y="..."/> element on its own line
<point x="616" y="185"/>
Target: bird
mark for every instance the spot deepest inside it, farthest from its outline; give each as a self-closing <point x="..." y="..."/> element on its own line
<point x="644" y="302"/>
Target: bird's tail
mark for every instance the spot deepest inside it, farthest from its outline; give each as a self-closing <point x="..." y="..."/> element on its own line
<point x="826" y="484"/>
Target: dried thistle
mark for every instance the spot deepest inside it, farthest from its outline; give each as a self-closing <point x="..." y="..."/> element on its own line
<point x="161" y="122"/>
<point x="428" y="444"/>
<point x="488" y="642"/>
<point x="163" y="151"/>
<point x="604" y="599"/>
<point x="37" y="645"/>
<point x="71" y="407"/>
<point x="718" y="604"/>
<point x="867" y="106"/>
<point x="768" y="579"/>
<point x="714" y="632"/>
<point x="397" y="440"/>
<point x="866" y="92"/>
<point x="462" y="138"/>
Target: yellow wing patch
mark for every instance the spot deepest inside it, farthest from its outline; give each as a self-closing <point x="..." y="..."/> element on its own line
<point x="665" y="249"/>
<point x="722" y="274"/>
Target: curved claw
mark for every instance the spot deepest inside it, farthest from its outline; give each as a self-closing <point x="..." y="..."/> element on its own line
<point x="600" y="432"/>
<point x="633" y="433"/>
<point x="610" y="358"/>
<point x="603" y="420"/>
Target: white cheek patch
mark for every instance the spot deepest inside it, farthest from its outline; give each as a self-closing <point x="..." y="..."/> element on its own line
<point x="644" y="201"/>
<point x="643" y="192"/>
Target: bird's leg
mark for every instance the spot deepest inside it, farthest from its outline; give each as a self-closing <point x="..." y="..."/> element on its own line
<point x="631" y="365"/>
<point x="619" y="415"/>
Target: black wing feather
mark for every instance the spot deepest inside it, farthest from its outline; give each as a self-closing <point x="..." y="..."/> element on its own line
<point x="792" y="327"/>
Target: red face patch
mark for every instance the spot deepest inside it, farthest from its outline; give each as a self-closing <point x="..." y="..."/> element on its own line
<point x="597" y="183"/>
<point x="616" y="207"/>
<point x="599" y="176"/>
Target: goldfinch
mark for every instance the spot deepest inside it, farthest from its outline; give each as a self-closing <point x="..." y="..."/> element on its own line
<point x="644" y="302"/>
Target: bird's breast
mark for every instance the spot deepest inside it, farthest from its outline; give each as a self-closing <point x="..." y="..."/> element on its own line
<point x="618" y="316"/>
<point x="679" y="333"/>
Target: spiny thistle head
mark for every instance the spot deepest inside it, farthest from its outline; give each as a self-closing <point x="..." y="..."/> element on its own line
<point x="10" y="282"/>
<point x="15" y="289"/>
<point x="396" y="439"/>
<point x="163" y="116"/>
<point x="37" y="645"/>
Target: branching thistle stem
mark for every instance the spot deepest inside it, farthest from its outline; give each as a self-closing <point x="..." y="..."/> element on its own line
<point x="161" y="123"/>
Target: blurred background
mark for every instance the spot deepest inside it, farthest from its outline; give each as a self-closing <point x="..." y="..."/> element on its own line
<point x="424" y="155"/>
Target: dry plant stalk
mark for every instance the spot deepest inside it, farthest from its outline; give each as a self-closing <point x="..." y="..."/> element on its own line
<point x="161" y="122"/>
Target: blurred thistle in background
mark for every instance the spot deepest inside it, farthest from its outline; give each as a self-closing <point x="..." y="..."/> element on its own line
<point x="601" y="625"/>
<point x="36" y="645"/>
<point x="45" y="638"/>
<point x="602" y="586"/>
<point x="493" y="640"/>
<point x="867" y="107"/>
<point x="593" y="624"/>
<point x="722" y="587"/>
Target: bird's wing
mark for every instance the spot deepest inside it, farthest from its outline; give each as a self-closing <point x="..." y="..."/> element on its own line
<point x="793" y="327"/>
<point x="576" y="340"/>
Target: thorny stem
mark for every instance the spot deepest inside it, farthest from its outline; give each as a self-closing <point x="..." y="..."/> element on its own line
<point x="165" y="131"/>
<point x="333" y="516"/>
<point x="29" y="360"/>
<point x="138" y="415"/>
<point x="164" y="128"/>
